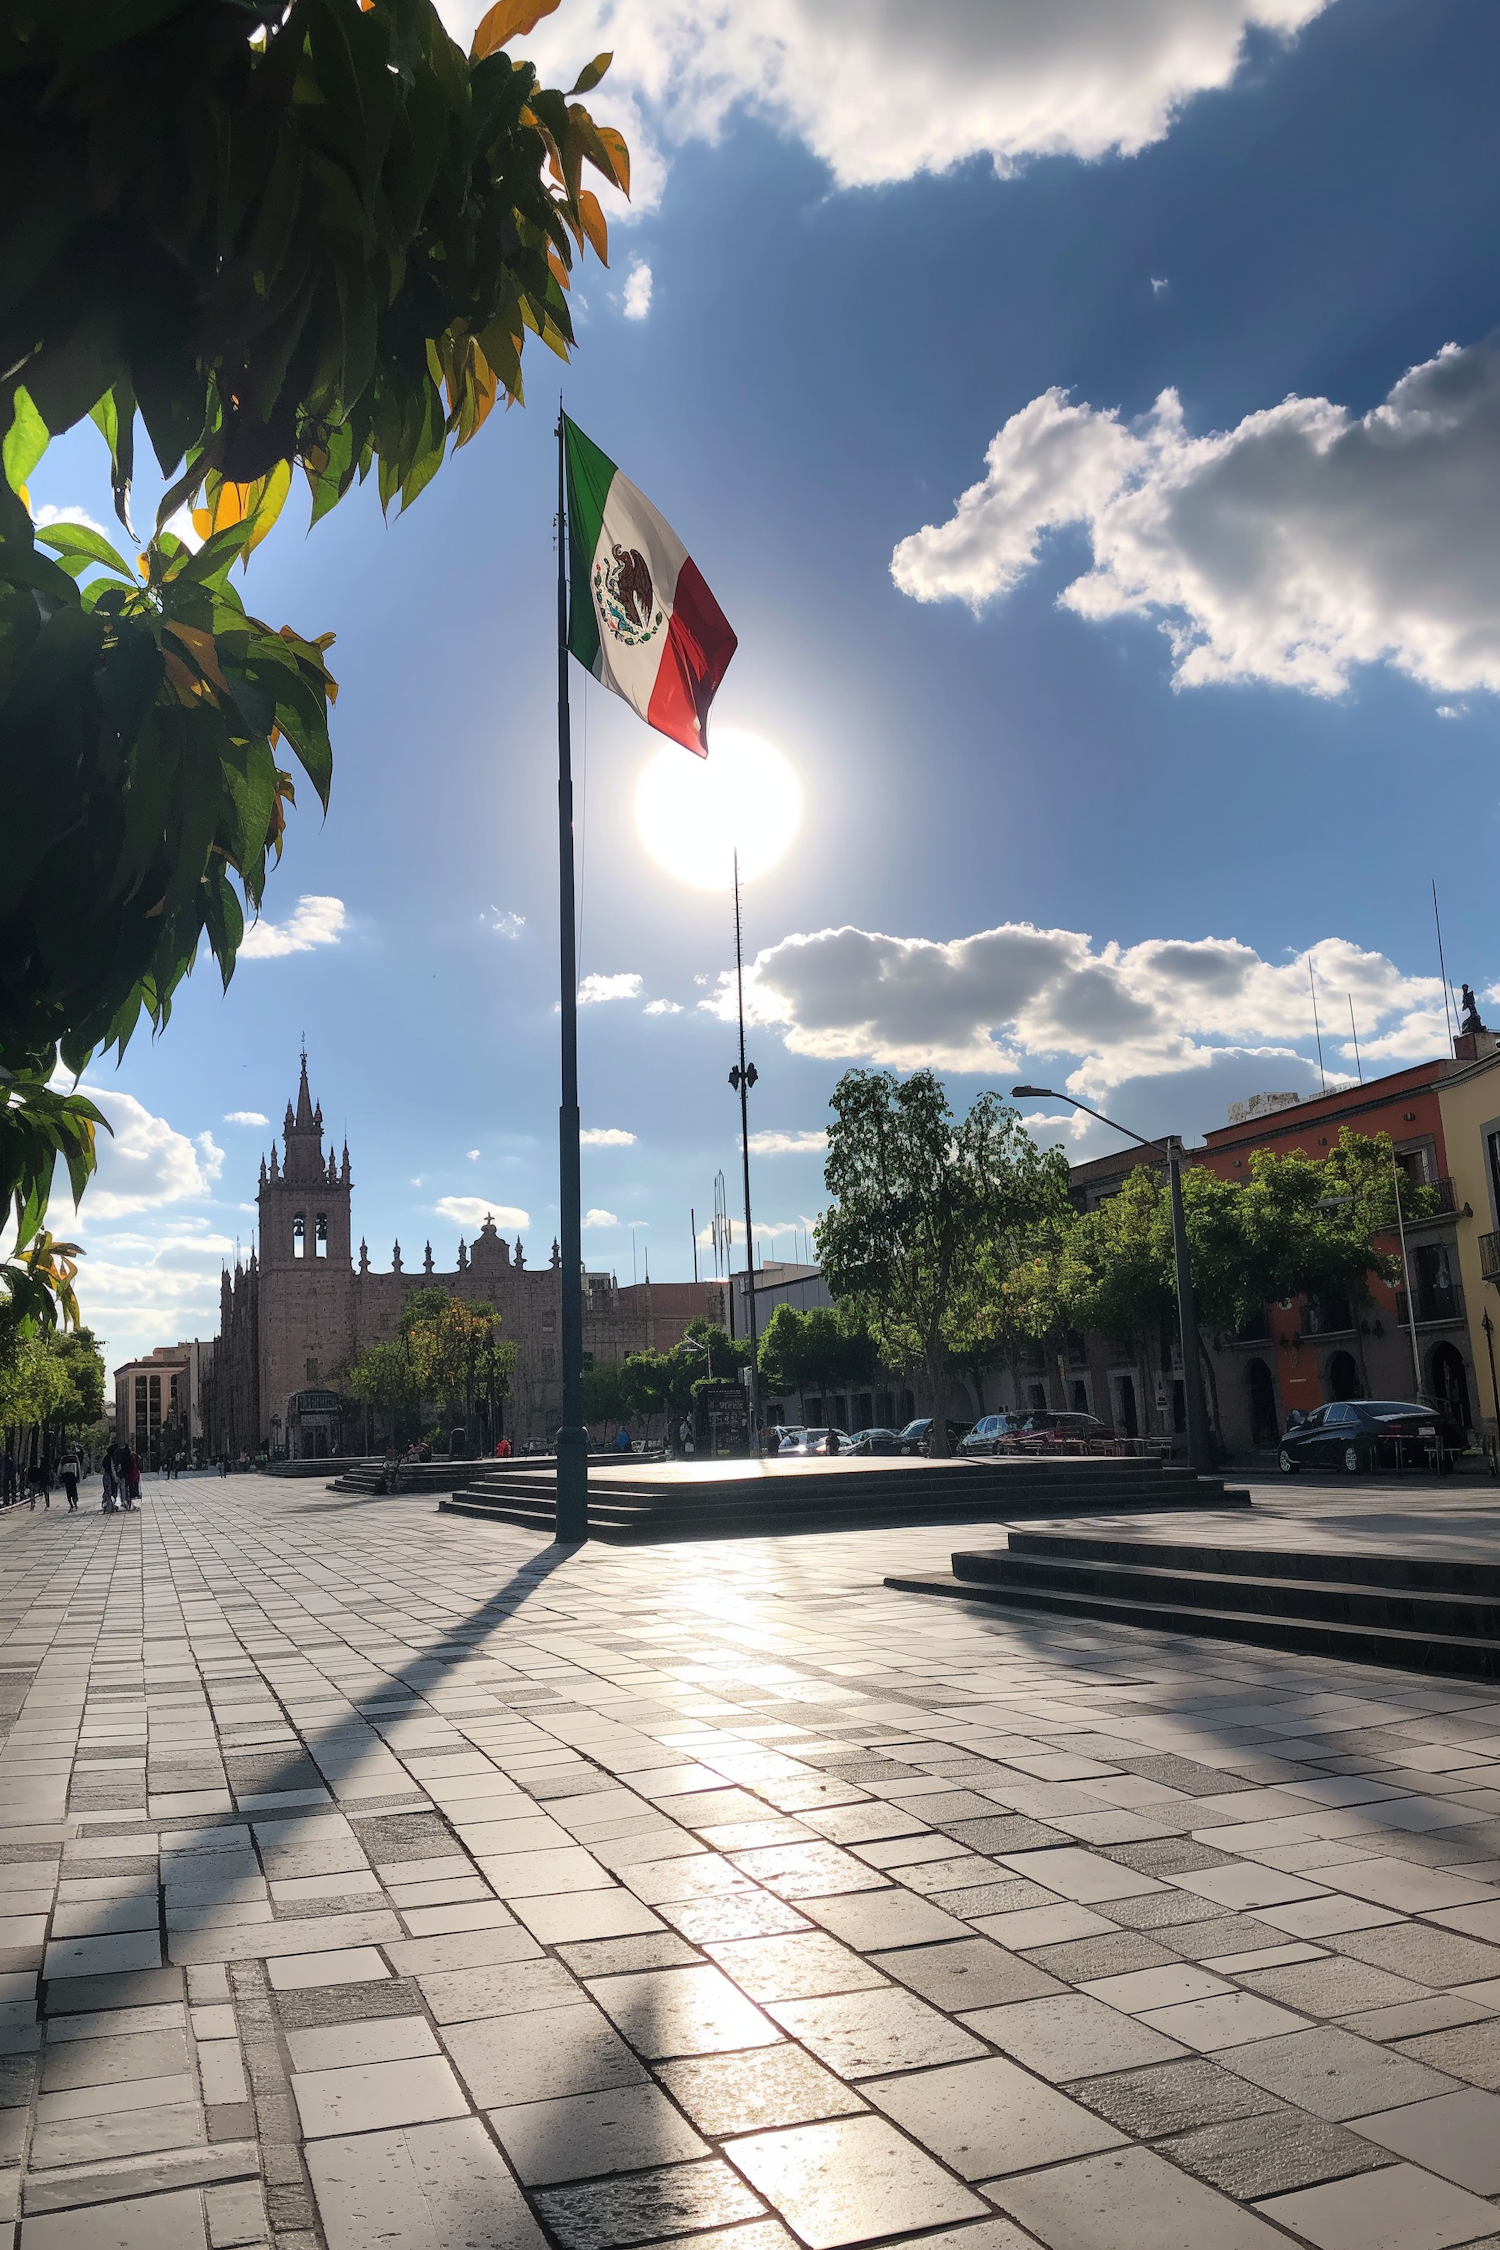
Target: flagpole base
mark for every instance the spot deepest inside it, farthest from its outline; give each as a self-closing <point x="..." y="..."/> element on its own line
<point x="572" y="1487"/>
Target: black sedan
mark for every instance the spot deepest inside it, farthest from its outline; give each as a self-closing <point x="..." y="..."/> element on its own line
<point x="875" y="1441"/>
<point x="917" y="1435"/>
<point x="1363" y="1434"/>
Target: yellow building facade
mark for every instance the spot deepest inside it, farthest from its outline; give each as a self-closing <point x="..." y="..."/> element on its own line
<point x="1469" y="1098"/>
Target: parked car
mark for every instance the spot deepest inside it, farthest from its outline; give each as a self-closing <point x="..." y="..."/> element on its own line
<point x="813" y="1441"/>
<point x="1359" y="1435"/>
<point x="914" y="1438"/>
<point x="876" y="1441"/>
<point x="791" y="1438"/>
<point x="993" y="1433"/>
<point x="1046" y="1429"/>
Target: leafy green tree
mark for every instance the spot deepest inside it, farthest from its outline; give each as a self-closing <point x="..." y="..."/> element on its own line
<point x="383" y="1377"/>
<point x="1296" y="1226"/>
<point x="815" y="1350"/>
<point x="311" y="235"/>
<point x="604" y="1393"/>
<point x="918" y="1196"/>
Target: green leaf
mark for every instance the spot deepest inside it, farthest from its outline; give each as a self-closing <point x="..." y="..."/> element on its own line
<point x="79" y="541"/>
<point x="26" y="440"/>
<point x="589" y="77"/>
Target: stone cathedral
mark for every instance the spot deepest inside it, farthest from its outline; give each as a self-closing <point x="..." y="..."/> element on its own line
<point x="292" y="1318"/>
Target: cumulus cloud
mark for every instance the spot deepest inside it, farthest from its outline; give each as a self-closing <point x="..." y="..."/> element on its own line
<point x="787" y="1144"/>
<point x="473" y="1210"/>
<point x="245" y="1117"/>
<point x="1299" y="544"/>
<point x="627" y="986"/>
<point x="636" y="302"/>
<point x="1002" y="79"/>
<point x="600" y="1219"/>
<point x="313" y="921"/>
<point x="145" y="1163"/>
<point x="989" y="1003"/>
<point x="606" y="1136"/>
<point x="662" y="1008"/>
<point x="50" y="515"/>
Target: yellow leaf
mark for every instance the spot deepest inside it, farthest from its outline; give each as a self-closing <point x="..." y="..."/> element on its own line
<point x="507" y="20"/>
<point x="592" y="220"/>
<point x="619" y="155"/>
<point x="200" y="646"/>
<point x="270" y="498"/>
<point x="559" y="270"/>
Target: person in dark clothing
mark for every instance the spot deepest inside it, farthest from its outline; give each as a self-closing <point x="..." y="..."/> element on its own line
<point x="70" y="1468"/>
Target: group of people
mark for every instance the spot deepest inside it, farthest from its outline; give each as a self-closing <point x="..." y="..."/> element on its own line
<point x="35" y="1481"/>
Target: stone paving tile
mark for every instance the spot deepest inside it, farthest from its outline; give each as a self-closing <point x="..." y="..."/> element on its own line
<point x="838" y="1823"/>
<point x="1400" y="2208"/>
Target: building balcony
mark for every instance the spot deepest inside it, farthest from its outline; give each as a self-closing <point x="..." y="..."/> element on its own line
<point x="1327" y="1316"/>
<point x="1445" y="1203"/>
<point x="1434" y="1306"/>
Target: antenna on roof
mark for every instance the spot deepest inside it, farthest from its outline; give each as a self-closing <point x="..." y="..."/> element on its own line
<point x="1442" y="964"/>
<point x="1317" y="1027"/>
<point x="1359" y="1066"/>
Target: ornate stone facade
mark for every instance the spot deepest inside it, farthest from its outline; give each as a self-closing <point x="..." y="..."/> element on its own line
<point x="293" y="1318"/>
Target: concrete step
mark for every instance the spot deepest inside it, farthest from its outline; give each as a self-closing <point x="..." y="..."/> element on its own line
<point x="642" y="1509"/>
<point x="1423" y="1613"/>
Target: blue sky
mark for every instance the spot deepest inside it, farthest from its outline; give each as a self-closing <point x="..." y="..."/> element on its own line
<point x="1225" y="671"/>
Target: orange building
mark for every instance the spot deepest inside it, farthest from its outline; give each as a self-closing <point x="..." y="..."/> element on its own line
<point x="1413" y="1339"/>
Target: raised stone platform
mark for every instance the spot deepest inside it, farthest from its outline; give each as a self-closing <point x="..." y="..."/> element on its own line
<point x="1420" y="1611"/>
<point x="743" y="1499"/>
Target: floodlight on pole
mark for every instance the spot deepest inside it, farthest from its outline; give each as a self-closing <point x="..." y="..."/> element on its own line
<point x="1199" y="1437"/>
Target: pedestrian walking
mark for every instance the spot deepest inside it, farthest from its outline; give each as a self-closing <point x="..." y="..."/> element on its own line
<point x="503" y="1450"/>
<point x="685" y="1437"/>
<point x="41" y="1484"/>
<point x="70" y="1469"/>
<point x="7" y="1478"/>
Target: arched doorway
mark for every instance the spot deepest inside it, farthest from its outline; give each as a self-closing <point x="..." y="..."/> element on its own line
<point x="1343" y="1376"/>
<point x="1448" y="1380"/>
<point x="1261" y="1385"/>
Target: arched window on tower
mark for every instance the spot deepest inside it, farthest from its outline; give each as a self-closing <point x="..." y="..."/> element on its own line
<point x="299" y="1235"/>
<point x="320" y="1243"/>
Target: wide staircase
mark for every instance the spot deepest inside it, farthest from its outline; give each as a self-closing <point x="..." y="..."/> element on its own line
<point x="1421" y="1612"/>
<point x="369" y="1476"/>
<point x="747" y="1499"/>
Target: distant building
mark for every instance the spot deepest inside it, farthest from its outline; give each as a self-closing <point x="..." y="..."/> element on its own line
<point x="158" y="1402"/>
<point x="293" y="1318"/>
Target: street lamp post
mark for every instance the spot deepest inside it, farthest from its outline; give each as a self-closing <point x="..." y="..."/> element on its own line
<point x="742" y="1078"/>
<point x="1199" y="1437"/>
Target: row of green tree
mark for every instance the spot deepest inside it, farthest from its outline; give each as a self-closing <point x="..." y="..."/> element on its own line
<point x="51" y="1393"/>
<point x="953" y="1243"/>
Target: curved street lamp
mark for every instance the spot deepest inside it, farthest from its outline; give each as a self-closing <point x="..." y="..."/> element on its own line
<point x="1199" y="1437"/>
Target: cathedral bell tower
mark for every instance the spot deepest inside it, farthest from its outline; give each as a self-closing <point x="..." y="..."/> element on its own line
<point x="304" y="1202"/>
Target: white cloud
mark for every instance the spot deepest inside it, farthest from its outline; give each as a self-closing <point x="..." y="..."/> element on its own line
<point x="245" y="1117"/>
<point x="472" y="1155"/>
<point x="1291" y="548"/>
<point x="666" y="1007"/>
<point x="145" y="1163"/>
<point x="594" y="988"/>
<point x="50" y="515"/>
<point x="637" y="299"/>
<point x="984" y="1004"/>
<point x="473" y="1210"/>
<point x="787" y="1144"/>
<point x="606" y="1136"/>
<point x="1003" y="79"/>
<point x="503" y="923"/>
<point x="313" y="921"/>
<point x="600" y="1219"/>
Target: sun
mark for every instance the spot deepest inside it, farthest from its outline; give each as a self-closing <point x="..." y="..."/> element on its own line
<point x="693" y="812"/>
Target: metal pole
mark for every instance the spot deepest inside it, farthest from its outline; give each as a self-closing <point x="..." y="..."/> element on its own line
<point x="1199" y="1437"/>
<point x="1489" y="1344"/>
<point x="572" y="1439"/>
<point x="1411" y="1302"/>
<point x="744" y="1092"/>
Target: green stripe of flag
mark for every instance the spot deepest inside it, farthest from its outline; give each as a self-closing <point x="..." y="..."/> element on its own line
<point x="590" y="475"/>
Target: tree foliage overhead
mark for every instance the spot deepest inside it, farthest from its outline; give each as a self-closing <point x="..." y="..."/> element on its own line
<point x="306" y="236"/>
<point x="815" y="1350"/>
<point x="920" y="1199"/>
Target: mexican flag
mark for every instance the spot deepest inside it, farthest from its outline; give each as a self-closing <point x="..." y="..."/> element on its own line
<point x="640" y="617"/>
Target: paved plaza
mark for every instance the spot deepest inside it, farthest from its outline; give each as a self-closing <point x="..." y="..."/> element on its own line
<point x="379" y="1878"/>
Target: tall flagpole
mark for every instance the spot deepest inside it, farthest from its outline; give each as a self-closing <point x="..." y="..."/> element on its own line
<point x="742" y="1079"/>
<point x="572" y="1438"/>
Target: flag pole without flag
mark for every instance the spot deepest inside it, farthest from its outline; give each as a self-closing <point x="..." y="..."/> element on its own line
<point x="572" y="1522"/>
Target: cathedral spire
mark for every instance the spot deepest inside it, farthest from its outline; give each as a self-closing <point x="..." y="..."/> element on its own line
<point x="304" y="1098"/>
